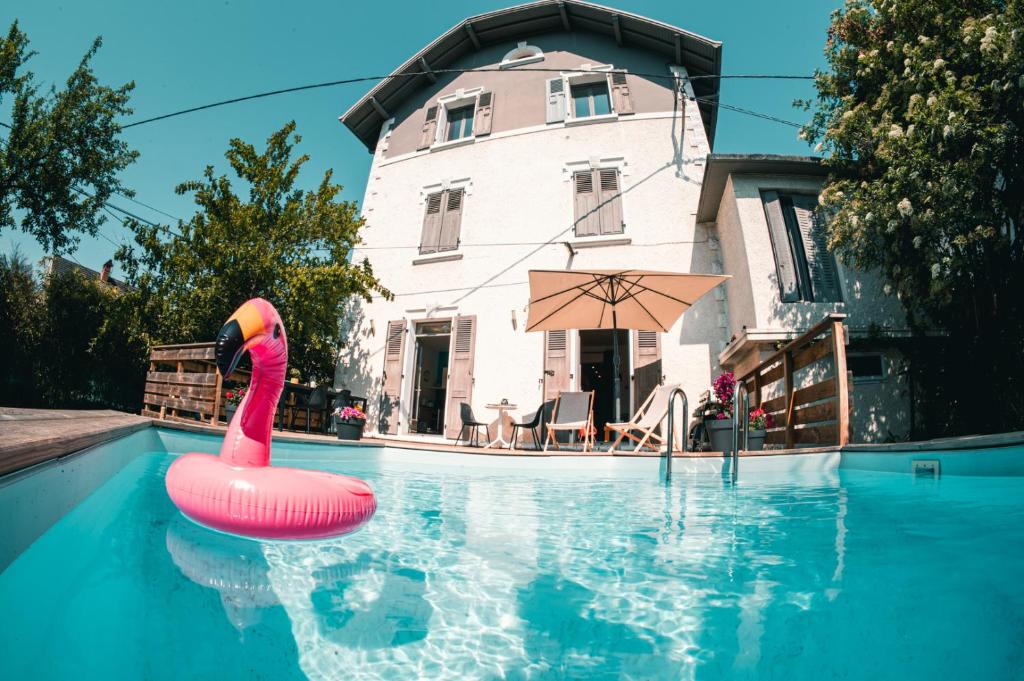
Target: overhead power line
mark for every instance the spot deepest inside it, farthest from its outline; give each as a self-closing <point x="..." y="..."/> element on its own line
<point x="434" y="72"/>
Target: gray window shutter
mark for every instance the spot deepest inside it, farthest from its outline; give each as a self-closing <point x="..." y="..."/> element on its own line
<point x="451" y="222"/>
<point x="482" y="117"/>
<point x="585" y="201"/>
<point x="821" y="265"/>
<point x="622" y="102"/>
<point x="429" y="128"/>
<point x="431" y="236"/>
<point x="610" y="200"/>
<point x="556" y="100"/>
<point x="785" y="265"/>
<point x="392" y="389"/>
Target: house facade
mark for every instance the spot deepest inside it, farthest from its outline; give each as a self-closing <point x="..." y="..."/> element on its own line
<point x="553" y="135"/>
<point x="761" y="208"/>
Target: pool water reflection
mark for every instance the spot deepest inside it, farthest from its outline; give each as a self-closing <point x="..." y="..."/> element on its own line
<point x="535" y="573"/>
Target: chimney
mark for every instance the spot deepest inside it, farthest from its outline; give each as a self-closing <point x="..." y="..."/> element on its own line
<point x="105" y="273"/>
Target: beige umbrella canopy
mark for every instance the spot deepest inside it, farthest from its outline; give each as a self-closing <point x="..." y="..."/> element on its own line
<point x="613" y="299"/>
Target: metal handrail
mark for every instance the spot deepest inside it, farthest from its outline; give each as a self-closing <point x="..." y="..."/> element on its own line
<point x="671" y="427"/>
<point x="739" y="415"/>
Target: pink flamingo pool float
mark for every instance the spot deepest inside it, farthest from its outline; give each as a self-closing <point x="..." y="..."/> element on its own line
<point x="239" y="491"/>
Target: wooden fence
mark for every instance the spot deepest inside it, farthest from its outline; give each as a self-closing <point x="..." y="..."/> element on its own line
<point x="183" y="383"/>
<point x="815" y="414"/>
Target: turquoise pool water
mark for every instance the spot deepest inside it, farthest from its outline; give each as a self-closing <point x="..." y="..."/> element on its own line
<point x="536" y="571"/>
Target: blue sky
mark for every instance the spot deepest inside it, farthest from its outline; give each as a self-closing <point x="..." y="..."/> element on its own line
<point x="187" y="53"/>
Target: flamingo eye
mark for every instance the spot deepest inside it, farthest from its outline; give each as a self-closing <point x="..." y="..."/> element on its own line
<point x="277" y="330"/>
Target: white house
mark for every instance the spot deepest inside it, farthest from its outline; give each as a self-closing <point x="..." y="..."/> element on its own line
<point x="546" y="136"/>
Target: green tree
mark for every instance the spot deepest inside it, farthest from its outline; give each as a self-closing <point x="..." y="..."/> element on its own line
<point x="288" y="245"/>
<point x="61" y="155"/>
<point x="921" y="117"/>
<point x="21" y="328"/>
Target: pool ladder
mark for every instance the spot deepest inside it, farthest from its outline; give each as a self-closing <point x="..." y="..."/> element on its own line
<point x="739" y="406"/>
<point x="672" y="430"/>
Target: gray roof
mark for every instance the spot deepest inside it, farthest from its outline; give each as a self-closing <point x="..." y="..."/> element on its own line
<point x="59" y="265"/>
<point x="701" y="56"/>
<point x="720" y="166"/>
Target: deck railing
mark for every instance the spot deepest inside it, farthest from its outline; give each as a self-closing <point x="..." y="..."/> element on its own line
<point x="817" y="413"/>
<point x="183" y="383"/>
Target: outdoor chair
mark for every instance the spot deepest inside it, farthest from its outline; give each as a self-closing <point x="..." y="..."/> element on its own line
<point x="533" y="424"/>
<point x="648" y="417"/>
<point x="312" y="402"/>
<point x="470" y="421"/>
<point x="573" y="411"/>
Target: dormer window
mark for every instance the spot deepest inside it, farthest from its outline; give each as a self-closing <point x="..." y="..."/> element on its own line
<point x="522" y="54"/>
<point x="460" y="122"/>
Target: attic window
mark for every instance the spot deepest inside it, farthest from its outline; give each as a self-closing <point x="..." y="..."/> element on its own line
<point x="522" y="54"/>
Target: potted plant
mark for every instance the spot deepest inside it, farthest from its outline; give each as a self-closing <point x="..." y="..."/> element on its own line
<point x="294" y="374"/>
<point x="349" y="423"/>
<point x="232" y="399"/>
<point x="757" y="428"/>
<point x="719" y="423"/>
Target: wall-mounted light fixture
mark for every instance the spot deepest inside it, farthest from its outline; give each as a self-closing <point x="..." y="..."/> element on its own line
<point x="373" y="328"/>
<point x="515" y="324"/>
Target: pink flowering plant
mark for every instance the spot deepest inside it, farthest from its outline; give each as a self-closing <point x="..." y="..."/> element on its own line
<point x="760" y="419"/>
<point x="724" y="387"/>
<point x="350" y="413"/>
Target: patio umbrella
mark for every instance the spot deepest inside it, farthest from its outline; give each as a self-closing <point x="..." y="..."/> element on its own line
<point x="613" y="299"/>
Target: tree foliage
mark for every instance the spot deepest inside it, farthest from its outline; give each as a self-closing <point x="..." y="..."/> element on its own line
<point x="267" y="238"/>
<point x="921" y="117"/>
<point x="69" y="341"/>
<point x="61" y="155"/>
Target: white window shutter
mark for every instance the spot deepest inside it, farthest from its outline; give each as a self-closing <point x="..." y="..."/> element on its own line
<point x="555" y="100"/>
<point x="482" y="117"/>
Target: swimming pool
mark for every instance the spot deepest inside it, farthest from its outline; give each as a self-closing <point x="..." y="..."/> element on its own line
<point x="482" y="567"/>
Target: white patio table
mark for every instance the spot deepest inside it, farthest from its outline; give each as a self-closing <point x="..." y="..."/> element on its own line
<point x="500" y="442"/>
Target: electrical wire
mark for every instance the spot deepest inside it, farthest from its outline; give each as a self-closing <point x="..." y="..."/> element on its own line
<point x="435" y="72"/>
<point x="146" y="205"/>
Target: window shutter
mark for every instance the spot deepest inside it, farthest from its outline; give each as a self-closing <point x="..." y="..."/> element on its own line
<point x="451" y="223"/>
<point x="391" y="391"/>
<point x="610" y="200"/>
<point x="785" y="265"/>
<point x="585" y="195"/>
<point x="647" y="365"/>
<point x="482" y="118"/>
<point x="431" y="236"/>
<point x="821" y="265"/>
<point x="556" y="363"/>
<point x="460" y="371"/>
<point x="620" y="93"/>
<point x="429" y="128"/>
<point x="556" y="100"/>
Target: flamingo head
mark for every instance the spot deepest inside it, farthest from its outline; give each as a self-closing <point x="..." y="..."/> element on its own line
<point x="255" y="323"/>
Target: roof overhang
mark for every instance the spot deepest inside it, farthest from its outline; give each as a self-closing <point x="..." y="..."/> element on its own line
<point x="720" y="166"/>
<point x="701" y="56"/>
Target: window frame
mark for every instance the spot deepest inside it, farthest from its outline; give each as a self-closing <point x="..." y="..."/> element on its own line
<point x="452" y="102"/>
<point x="588" y="74"/>
<point x="462" y="120"/>
<point x="590" y="97"/>
<point x="444" y="189"/>
<point x="595" y="167"/>
<point x="879" y="378"/>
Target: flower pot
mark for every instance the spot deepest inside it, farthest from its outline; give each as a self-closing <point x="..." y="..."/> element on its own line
<point x="229" y="411"/>
<point x="755" y="440"/>
<point x="349" y="429"/>
<point x="720" y="434"/>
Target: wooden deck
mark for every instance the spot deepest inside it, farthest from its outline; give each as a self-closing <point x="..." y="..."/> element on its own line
<point x="32" y="436"/>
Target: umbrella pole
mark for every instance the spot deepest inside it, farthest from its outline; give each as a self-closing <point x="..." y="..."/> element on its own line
<point x="616" y="363"/>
